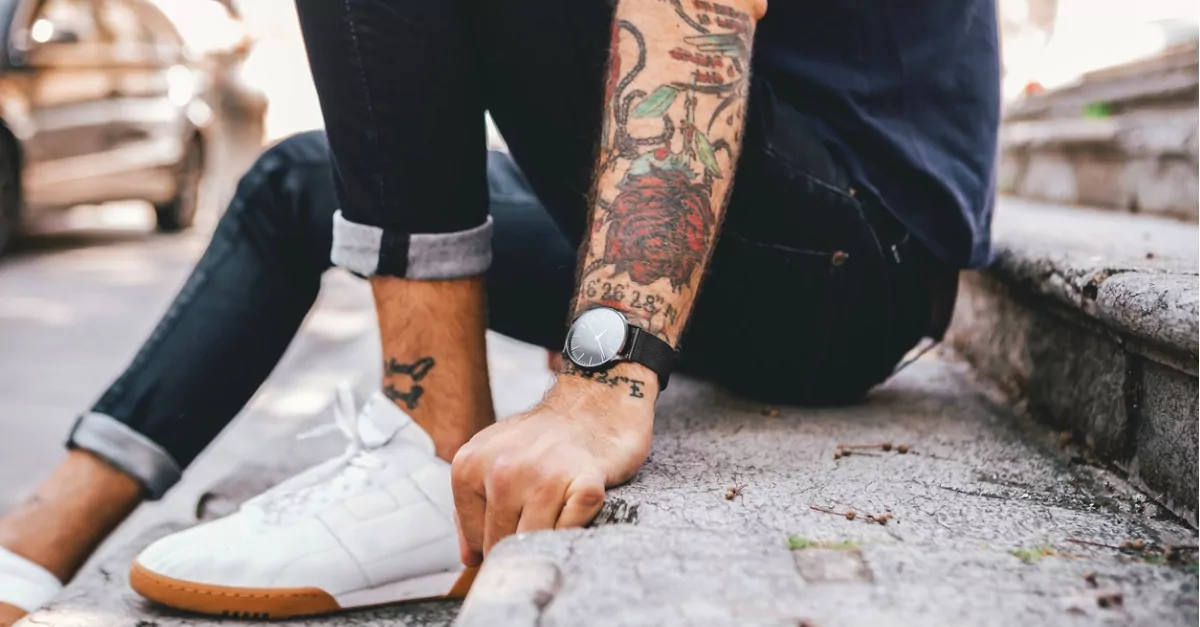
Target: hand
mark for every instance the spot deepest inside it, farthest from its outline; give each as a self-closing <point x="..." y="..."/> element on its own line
<point x="548" y="468"/>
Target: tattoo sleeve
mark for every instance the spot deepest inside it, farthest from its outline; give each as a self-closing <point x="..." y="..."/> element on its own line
<point x="673" y="119"/>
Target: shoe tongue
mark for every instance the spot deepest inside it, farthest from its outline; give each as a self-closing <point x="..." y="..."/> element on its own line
<point x="381" y="422"/>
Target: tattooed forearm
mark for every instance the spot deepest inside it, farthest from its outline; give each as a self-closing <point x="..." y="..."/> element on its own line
<point x="410" y="374"/>
<point x="612" y="380"/>
<point x="673" y="120"/>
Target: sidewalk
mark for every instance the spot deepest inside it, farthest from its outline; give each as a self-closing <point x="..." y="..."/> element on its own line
<point x="984" y="508"/>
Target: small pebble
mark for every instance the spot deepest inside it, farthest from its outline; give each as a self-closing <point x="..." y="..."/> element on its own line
<point x="851" y="515"/>
<point x="902" y="449"/>
<point x="1109" y="597"/>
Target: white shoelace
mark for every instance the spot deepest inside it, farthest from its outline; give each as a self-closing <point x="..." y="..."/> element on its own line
<point x="346" y="419"/>
<point x="337" y="478"/>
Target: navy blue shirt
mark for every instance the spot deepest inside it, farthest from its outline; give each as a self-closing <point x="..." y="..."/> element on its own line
<point x="907" y="94"/>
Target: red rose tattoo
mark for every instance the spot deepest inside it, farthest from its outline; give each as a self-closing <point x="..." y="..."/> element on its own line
<point x="659" y="227"/>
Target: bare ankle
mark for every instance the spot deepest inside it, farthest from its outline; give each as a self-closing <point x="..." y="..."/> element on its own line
<point x="434" y="355"/>
<point x="10" y="614"/>
<point x="81" y="502"/>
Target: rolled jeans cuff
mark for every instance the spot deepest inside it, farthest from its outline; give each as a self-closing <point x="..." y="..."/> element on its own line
<point x="129" y="451"/>
<point x="373" y="251"/>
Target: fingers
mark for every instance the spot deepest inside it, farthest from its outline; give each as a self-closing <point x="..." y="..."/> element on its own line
<point x="469" y="506"/>
<point x="522" y="496"/>
<point x="542" y="509"/>
<point x="585" y="497"/>
<point x="504" y="503"/>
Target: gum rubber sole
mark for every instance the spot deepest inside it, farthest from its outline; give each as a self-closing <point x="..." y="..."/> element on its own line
<point x="256" y="603"/>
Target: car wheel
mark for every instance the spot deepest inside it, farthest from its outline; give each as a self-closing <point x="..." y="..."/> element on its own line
<point x="10" y="193"/>
<point x="179" y="213"/>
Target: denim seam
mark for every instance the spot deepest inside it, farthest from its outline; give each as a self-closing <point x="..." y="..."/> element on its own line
<point x="366" y="86"/>
<point x="777" y="247"/>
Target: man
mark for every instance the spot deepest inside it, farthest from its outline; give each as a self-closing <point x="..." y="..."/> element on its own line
<point x="862" y="139"/>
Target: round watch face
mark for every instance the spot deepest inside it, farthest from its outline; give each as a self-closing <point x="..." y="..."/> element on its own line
<point x="596" y="337"/>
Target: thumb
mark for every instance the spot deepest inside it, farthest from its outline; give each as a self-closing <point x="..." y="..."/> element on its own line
<point x="585" y="497"/>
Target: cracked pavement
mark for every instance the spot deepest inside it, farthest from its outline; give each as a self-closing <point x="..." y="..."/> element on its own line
<point x="984" y="506"/>
<point x="987" y="513"/>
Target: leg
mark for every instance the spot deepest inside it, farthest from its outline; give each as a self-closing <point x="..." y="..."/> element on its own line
<point x="338" y="560"/>
<point x="242" y="305"/>
<point x="399" y="93"/>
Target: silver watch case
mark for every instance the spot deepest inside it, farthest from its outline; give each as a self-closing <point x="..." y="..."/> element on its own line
<point x="597" y="338"/>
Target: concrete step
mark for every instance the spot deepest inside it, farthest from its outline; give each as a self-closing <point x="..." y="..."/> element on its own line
<point x="1136" y="151"/>
<point x="1088" y="321"/>
<point x="984" y="509"/>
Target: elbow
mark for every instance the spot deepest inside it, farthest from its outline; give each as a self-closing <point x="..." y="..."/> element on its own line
<point x="757" y="9"/>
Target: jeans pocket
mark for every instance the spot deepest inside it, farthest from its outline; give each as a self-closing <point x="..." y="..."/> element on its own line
<point x="767" y="318"/>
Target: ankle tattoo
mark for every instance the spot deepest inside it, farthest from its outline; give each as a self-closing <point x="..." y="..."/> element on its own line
<point x="415" y="371"/>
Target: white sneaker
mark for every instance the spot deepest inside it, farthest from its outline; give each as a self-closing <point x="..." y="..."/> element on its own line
<point x="371" y="527"/>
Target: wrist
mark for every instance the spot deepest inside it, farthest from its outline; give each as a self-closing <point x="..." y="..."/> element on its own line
<point x="624" y="382"/>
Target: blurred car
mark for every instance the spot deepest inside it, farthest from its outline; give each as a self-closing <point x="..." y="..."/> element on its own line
<point x="99" y="101"/>
<point x="215" y="33"/>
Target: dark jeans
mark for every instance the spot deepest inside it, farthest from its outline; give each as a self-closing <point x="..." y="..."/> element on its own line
<point x="404" y="85"/>
<point x="808" y="302"/>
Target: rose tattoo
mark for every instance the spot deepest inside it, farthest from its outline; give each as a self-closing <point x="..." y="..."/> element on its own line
<point x="659" y="226"/>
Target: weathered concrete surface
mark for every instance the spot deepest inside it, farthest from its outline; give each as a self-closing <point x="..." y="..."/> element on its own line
<point x="976" y="486"/>
<point x="1136" y="274"/>
<point x="1091" y="319"/>
<point x="630" y="575"/>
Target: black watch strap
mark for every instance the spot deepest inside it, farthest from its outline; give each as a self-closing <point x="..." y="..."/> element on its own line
<point x="652" y="352"/>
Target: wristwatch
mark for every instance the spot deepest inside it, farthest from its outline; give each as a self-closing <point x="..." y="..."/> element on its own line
<point x="601" y="337"/>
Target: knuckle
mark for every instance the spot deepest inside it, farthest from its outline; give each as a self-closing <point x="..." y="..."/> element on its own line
<point x="504" y="474"/>
<point x="547" y="488"/>
<point x="465" y="461"/>
<point x="588" y="494"/>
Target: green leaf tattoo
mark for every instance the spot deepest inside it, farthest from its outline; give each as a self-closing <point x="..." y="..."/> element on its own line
<point x="708" y="157"/>
<point x="656" y="103"/>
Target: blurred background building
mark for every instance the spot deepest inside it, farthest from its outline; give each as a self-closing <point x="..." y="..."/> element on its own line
<point x="1101" y="103"/>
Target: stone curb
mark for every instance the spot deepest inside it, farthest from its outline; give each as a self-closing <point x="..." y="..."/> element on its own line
<point x="1091" y="319"/>
<point x="633" y="575"/>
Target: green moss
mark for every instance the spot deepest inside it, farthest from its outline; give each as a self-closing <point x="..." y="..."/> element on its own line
<point x="797" y="543"/>
<point x="1030" y="556"/>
